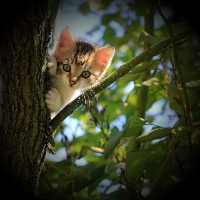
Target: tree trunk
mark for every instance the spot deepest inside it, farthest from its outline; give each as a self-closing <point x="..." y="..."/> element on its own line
<point x="23" y="140"/>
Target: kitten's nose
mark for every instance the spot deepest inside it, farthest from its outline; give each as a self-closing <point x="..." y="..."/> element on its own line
<point x="72" y="82"/>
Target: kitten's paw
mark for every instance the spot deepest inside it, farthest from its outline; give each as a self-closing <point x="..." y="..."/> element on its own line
<point x="53" y="100"/>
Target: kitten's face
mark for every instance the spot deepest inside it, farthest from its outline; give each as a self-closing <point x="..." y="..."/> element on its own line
<point x="79" y="63"/>
<point x="77" y="67"/>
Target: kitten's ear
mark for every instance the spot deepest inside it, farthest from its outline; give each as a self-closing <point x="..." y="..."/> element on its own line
<point x="105" y="55"/>
<point x="66" y="39"/>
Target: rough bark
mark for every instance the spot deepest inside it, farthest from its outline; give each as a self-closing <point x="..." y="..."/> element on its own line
<point x="23" y="140"/>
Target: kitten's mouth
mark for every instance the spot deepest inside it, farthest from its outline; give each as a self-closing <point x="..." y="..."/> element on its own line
<point x="71" y="86"/>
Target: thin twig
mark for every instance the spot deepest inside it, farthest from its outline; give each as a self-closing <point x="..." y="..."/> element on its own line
<point x="176" y="66"/>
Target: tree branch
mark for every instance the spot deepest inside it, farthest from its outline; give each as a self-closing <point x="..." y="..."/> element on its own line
<point x="166" y="44"/>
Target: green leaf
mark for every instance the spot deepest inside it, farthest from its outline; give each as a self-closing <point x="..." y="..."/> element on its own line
<point x="193" y="97"/>
<point x="109" y="31"/>
<point x="172" y="91"/>
<point x="80" y="173"/>
<point x="193" y="84"/>
<point x="144" y="161"/>
<point x="84" y="8"/>
<point x="174" y="105"/>
<point x="97" y="172"/>
<point x="154" y="134"/>
<point x="149" y="82"/>
<point x="145" y="37"/>
<point x="96" y="183"/>
<point x="130" y="77"/>
<point x="181" y="122"/>
<point x="106" y="19"/>
<point x="113" y="141"/>
<point x="152" y="64"/>
<point x="82" y="152"/>
<point x="133" y="127"/>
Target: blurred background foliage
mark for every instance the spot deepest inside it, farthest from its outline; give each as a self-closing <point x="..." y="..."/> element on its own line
<point x="138" y="138"/>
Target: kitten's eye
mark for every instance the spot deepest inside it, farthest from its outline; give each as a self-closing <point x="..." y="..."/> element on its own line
<point x="66" y="67"/>
<point x="85" y="74"/>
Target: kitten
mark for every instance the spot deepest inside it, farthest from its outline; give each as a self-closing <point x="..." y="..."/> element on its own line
<point x="74" y="65"/>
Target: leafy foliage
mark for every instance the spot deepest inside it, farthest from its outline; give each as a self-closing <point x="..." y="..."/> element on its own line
<point x="129" y="154"/>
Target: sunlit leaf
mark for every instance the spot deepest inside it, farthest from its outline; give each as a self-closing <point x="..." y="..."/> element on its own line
<point x="130" y="77"/>
<point x="152" y="64"/>
<point x="154" y="134"/>
<point x="151" y="81"/>
<point x="146" y="37"/>
<point x="82" y="152"/>
<point x="193" y="84"/>
<point x="129" y="105"/>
